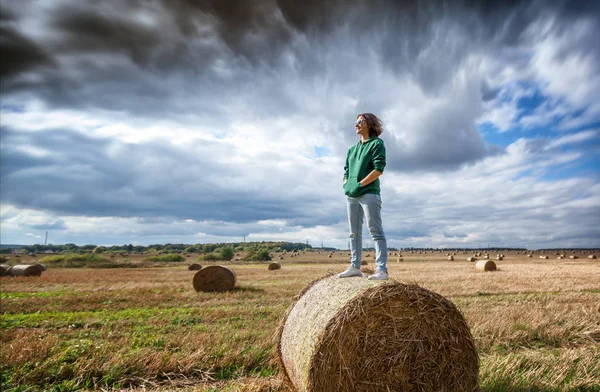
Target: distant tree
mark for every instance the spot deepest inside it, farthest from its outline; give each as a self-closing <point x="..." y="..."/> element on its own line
<point x="208" y="248"/>
<point x="226" y="253"/>
<point x="70" y="247"/>
<point x="208" y="257"/>
<point x="261" y="255"/>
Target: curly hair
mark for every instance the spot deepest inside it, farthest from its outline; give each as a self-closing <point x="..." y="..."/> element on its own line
<point x="373" y="122"/>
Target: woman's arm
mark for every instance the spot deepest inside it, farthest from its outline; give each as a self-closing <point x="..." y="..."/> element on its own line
<point x="370" y="178"/>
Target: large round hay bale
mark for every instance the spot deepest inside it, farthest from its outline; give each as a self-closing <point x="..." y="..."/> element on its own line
<point x="591" y="256"/>
<point x="42" y="266"/>
<point x="372" y="336"/>
<point x="499" y="258"/>
<point x="195" y="267"/>
<point x="472" y="259"/>
<point x="573" y="257"/>
<point x="4" y="270"/>
<point x="25" y="270"/>
<point x="450" y="258"/>
<point x="274" y="266"/>
<point x="544" y="257"/>
<point x="214" y="278"/>
<point x="485" y="265"/>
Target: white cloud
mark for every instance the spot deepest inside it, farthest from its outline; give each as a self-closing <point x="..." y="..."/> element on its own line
<point x="200" y="138"/>
<point x="573" y="139"/>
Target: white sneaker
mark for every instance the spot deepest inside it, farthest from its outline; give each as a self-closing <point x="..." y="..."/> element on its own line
<point x="379" y="275"/>
<point x="351" y="272"/>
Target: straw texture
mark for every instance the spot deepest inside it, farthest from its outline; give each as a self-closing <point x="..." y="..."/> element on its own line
<point x="485" y="265"/>
<point x="274" y="266"/>
<point x="25" y="270"/>
<point x="367" y="336"/>
<point x="4" y="270"/>
<point x="214" y="278"/>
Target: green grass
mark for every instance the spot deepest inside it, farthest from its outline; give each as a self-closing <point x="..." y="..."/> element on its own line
<point x="73" y="258"/>
<point x="166" y="257"/>
<point x="35" y="294"/>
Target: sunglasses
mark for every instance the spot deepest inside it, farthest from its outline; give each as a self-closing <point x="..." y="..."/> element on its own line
<point x="359" y="122"/>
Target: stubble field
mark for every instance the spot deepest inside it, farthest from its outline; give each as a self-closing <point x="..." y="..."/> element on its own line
<point x="536" y="323"/>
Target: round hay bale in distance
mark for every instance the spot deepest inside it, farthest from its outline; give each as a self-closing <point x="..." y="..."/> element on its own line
<point x="274" y="266"/>
<point x="573" y="257"/>
<point x="485" y="265"/>
<point x="372" y="336"/>
<point x="450" y="258"/>
<point x="214" y="278"/>
<point x="195" y="267"/>
<point x="25" y="270"/>
<point x="544" y="257"/>
<point x="591" y="256"/>
<point x="4" y="270"/>
<point x="472" y="259"/>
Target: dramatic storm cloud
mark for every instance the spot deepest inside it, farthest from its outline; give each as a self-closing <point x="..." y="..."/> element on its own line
<point x="200" y="121"/>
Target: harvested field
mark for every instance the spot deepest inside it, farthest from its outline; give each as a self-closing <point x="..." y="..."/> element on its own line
<point x="535" y="324"/>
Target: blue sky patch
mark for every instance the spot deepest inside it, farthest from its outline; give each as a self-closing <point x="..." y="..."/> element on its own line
<point x="321" y="151"/>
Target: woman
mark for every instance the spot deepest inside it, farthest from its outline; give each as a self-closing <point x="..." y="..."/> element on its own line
<point x="364" y="164"/>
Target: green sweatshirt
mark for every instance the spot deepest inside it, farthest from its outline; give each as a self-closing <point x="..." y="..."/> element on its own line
<point x="361" y="160"/>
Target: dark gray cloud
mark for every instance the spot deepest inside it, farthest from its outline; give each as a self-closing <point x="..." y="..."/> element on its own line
<point x="73" y="174"/>
<point x="183" y="40"/>
<point x="219" y="65"/>
<point x="19" y="53"/>
<point x="171" y="58"/>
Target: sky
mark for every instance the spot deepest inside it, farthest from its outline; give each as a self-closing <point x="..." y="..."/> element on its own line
<point x="180" y="121"/>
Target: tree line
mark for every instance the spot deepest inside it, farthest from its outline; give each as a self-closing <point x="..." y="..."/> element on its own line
<point x="270" y="246"/>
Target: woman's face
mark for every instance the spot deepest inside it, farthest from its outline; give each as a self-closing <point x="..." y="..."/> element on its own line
<point x="361" y="126"/>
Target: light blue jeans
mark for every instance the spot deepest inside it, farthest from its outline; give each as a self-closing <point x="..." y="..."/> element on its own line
<point x="358" y="207"/>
